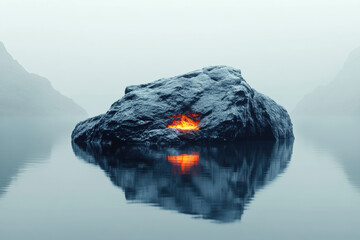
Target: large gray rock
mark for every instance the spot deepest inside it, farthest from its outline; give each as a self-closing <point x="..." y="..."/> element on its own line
<point x="227" y="107"/>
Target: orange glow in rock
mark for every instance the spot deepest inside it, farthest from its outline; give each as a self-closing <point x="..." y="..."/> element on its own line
<point x="185" y="122"/>
<point x="184" y="161"/>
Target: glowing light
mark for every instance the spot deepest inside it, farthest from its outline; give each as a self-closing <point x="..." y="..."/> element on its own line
<point x="185" y="122"/>
<point x="184" y="161"/>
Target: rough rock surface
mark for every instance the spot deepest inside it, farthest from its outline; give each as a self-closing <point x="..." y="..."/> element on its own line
<point x="222" y="183"/>
<point x="229" y="109"/>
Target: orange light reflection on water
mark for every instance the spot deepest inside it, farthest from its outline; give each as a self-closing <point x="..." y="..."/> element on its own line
<point x="185" y="162"/>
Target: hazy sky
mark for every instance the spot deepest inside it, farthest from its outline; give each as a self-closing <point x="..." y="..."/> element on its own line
<point x="92" y="49"/>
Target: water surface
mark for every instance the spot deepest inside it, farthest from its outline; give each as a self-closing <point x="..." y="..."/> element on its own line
<point x="308" y="189"/>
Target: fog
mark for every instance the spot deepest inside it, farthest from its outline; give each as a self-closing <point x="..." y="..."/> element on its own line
<point x="91" y="50"/>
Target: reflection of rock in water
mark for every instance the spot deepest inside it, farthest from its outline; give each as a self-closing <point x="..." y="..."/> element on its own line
<point x="226" y="179"/>
<point x="23" y="140"/>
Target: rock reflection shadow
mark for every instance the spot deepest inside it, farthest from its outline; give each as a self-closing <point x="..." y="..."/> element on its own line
<point x="217" y="186"/>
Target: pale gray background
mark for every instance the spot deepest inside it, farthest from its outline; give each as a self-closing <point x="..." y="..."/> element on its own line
<point x="91" y="50"/>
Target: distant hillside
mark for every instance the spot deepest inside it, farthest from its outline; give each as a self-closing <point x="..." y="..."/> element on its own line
<point x="27" y="94"/>
<point x="340" y="97"/>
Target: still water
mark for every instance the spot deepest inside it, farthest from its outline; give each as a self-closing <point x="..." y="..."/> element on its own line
<point x="306" y="189"/>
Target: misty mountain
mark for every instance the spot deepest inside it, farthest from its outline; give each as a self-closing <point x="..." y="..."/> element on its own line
<point x="27" y="94"/>
<point x="340" y="97"/>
